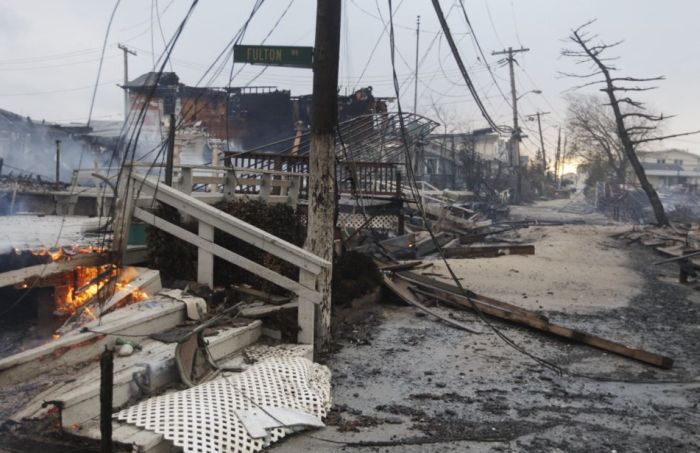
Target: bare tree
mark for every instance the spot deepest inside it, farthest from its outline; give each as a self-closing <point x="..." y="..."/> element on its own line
<point x="593" y="131"/>
<point x="590" y="51"/>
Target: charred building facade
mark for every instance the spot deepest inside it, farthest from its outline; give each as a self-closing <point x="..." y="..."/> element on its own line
<point x="245" y="117"/>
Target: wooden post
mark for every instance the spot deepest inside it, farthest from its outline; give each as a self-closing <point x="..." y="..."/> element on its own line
<point x="106" y="384"/>
<point x="399" y="197"/>
<point x="215" y="161"/>
<point x="205" y="259"/>
<point x="58" y="161"/>
<point x="169" y="159"/>
<point x="124" y="208"/>
<point x="293" y="191"/>
<point x="265" y="187"/>
<point x="230" y="183"/>
<point x="685" y="268"/>
<point x="186" y="180"/>
<point x="324" y="119"/>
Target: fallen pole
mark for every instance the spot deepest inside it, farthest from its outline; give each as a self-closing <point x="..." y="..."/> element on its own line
<point x="403" y="290"/>
<point x="556" y="329"/>
<point x="430" y="284"/>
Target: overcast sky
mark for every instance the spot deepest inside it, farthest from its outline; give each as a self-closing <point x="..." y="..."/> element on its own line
<point x="50" y="52"/>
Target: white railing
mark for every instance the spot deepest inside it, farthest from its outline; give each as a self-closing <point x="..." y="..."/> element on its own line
<point x="209" y="219"/>
<point x="215" y="183"/>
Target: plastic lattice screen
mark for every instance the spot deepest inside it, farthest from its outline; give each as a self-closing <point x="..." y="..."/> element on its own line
<point x="202" y="419"/>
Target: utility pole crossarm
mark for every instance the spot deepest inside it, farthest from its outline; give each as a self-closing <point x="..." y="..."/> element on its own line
<point x="510" y="51"/>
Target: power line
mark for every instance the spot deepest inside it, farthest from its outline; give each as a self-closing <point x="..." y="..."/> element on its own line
<point x="64" y="90"/>
<point x="419" y="204"/>
<point x="58" y="65"/>
<point x="463" y="70"/>
<point x="481" y="52"/>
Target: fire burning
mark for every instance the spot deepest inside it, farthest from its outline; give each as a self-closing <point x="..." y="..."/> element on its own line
<point x="89" y="286"/>
<point x="56" y="254"/>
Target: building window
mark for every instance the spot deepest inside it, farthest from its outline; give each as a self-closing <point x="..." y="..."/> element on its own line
<point x="678" y="161"/>
<point x="660" y="161"/>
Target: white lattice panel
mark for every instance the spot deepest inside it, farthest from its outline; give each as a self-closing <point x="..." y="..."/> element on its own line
<point x="202" y="419"/>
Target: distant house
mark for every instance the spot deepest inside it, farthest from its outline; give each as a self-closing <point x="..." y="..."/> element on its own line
<point x="449" y="159"/>
<point x="671" y="167"/>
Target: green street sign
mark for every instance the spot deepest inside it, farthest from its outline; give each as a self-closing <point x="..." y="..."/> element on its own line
<point x="295" y="57"/>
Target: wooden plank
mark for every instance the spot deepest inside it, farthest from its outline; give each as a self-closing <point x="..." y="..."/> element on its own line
<point x="559" y="330"/>
<point x="46" y="270"/>
<point x="236" y="227"/>
<point x="267" y="310"/>
<point x="266" y="187"/>
<point x="400" y="266"/>
<point x="261" y="295"/>
<point x="401" y="289"/>
<point x="431" y="284"/>
<point x="489" y="251"/>
<point x="231" y="257"/>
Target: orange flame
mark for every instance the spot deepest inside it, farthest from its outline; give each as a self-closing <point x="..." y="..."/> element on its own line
<point x="87" y="283"/>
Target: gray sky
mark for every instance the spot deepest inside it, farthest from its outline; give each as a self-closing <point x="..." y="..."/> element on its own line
<point x="50" y="50"/>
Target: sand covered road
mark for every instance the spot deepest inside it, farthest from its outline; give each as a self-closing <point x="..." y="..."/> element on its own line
<point x="575" y="268"/>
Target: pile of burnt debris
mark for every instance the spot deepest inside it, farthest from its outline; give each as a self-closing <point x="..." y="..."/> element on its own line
<point x="678" y="244"/>
<point x="450" y="230"/>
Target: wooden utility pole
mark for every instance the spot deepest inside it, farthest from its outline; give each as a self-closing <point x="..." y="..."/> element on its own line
<point x="126" y="51"/>
<point x="415" y="84"/>
<point x="539" y="128"/>
<point x="544" y="152"/>
<point x="171" y="152"/>
<point x="515" y="134"/>
<point x="557" y="158"/>
<point x="322" y="190"/>
<point x="58" y="161"/>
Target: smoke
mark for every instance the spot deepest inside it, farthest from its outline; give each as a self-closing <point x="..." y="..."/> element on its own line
<point x="30" y="148"/>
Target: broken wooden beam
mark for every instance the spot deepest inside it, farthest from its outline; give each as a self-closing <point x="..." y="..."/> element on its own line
<point x="401" y="266"/>
<point x="431" y="284"/>
<point x="262" y="311"/>
<point x="16" y="276"/>
<point x="488" y="251"/>
<point x="556" y="329"/>
<point x="402" y="289"/>
<point x="261" y="295"/>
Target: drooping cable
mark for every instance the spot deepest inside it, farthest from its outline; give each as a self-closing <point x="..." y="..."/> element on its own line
<point x="462" y="68"/>
<point x="418" y="201"/>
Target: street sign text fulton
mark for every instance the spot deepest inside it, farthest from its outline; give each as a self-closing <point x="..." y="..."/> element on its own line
<point x="297" y="57"/>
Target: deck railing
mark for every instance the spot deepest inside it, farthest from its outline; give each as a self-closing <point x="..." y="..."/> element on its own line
<point x="209" y="219"/>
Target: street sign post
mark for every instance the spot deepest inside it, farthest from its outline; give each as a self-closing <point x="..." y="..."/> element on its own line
<point x="289" y="56"/>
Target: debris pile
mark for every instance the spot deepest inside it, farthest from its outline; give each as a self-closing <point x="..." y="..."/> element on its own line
<point x="679" y="244"/>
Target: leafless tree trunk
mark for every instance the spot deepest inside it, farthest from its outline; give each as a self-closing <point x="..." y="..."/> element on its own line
<point x="591" y="53"/>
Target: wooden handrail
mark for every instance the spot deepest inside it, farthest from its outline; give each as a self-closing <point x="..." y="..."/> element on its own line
<point x="236" y="227"/>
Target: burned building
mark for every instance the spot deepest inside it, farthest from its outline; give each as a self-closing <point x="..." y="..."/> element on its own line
<point x="28" y="147"/>
<point x="247" y="117"/>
